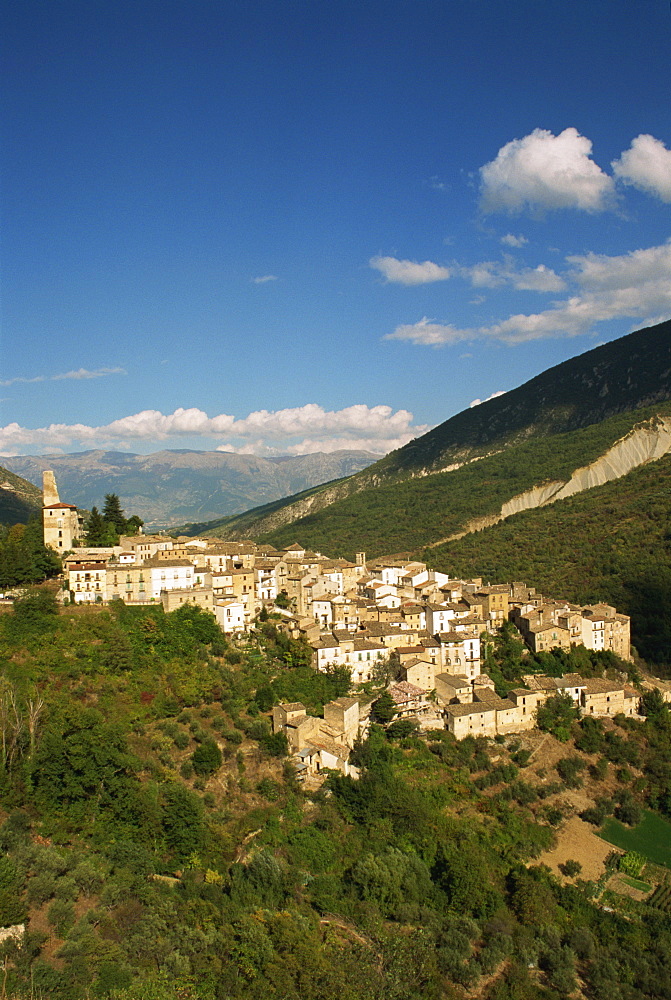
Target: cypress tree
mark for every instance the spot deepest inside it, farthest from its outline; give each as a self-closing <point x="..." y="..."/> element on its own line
<point x="113" y="513"/>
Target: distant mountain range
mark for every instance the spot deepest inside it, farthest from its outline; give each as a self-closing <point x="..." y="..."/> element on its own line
<point x="168" y="488"/>
<point x="520" y="450"/>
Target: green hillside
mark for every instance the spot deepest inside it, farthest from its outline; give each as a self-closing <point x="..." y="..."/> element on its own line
<point x="417" y="512"/>
<point x="158" y="845"/>
<point x="19" y="499"/>
<point x="610" y="543"/>
<point x="627" y="375"/>
<point x="242" y="524"/>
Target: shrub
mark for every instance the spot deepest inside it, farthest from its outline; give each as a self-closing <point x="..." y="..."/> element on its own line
<point x="206" y="759"/>
<point x="570" y="868"/>
<point x="61" y="916"/>
<point x="632" y="863"/>
<point x="568" y="769"/>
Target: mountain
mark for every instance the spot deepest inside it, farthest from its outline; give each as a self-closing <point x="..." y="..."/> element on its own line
<point x="168" y="488"/>
<point x="512" y="452"/>
<point x="19" y="499"/>
<point x="610" y="543"/>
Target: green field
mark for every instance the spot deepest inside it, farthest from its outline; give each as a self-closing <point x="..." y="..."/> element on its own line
<point x="652" y="837"/>
<point x="636" y="883"/>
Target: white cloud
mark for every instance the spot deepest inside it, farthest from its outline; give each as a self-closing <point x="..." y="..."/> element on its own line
<point x="538" y="279"/>
<point x="264" y="278"/>
<point x="646" y="165"/>
<point x="297" y="430"/>
<point x="430" y="334"/>
<point x="509" y="240"/>
<point x="478" y="402"/>
<point x="636" y="285"/>
<point x="409" y="272"/>
<point x="544" y="171"/>
<point x="80" y="373"/>
<point x="492" y="274"/>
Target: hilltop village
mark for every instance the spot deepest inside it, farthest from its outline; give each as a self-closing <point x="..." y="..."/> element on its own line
<point x="386" y="620"/>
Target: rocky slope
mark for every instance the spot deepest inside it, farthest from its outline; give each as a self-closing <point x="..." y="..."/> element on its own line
<point x="646" y="442"/>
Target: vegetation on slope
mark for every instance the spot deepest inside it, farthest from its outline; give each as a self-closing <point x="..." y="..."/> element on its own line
<point x="19" y="499"/>
<point x="24" y="558"/>
<point x="242" y="525"/>
<point x="417" y="512"/>
<point x="610" y="543"/>
<point x="625" y="374"/>
<point x="159" y="845"/>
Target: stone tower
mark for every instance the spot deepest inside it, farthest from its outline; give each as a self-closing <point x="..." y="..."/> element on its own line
<point x="61" y="522"/>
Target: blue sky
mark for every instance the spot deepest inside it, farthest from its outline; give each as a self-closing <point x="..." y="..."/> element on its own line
<point x="301" y="225"/>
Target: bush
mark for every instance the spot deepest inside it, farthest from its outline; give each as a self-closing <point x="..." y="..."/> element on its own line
<point x="269" y="789"/>
<point x="628" y="811"/>
<point x="61" y="916"/>
<point x="570" y="868"/>
<point x="207" y="758"/>
<point x="632" y="863"/>
<point x="568" y="769"/>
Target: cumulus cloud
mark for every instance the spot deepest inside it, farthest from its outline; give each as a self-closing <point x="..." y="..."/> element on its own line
<point x="492" y="274"/>
<point x="80" y="373"/>
<point x="477" y="402"/>
<point x="544" y="171"/>
<point x="646" y="165"/>
<point x="428" y="333"/>
<point x="296" y="430"/>
<point x="409" y="272"/>
<point x="264" y="278"/>
<point x="509" y="240"/>
<point x="636" y="285"/>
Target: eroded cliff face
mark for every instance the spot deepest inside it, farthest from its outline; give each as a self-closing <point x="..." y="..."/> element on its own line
<point x="645" y="442"/>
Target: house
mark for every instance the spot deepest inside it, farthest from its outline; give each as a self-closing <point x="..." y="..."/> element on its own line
<point x="453" y="689"/>
<point x="438" y="618"/>
<point x="201" y="597"/>
<point x="420" y="672"/>
<point x="604" y="698"/>
<point x="320" y="744"/>
<point x="230" y="614"/>
<point x="476" y="719"/>
<point x="410" y="700"/>
<point x="87" y="582"/>
<point x="460" y="652"/>
<point x="604" y="628"/>
<point x="495" y="604"/>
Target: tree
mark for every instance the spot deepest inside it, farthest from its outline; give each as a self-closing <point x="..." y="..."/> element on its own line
<point x="133" y="525"/>
<point x="384" y="709"/>
<point x="99" y="531"/>
<point x="556" y="716"/>
<point x="182" y="819"/>
<point x="653" y="704"/>
<point x="113" y="513"/>
<point x="206" y="758"/>
<point x="24" y="558"/>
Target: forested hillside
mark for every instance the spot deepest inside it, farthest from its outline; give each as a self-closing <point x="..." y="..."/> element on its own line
<point x="160" y="847"/>
<point x="407" y="515"/>
<point x="611" y="543"/>
<point x="627" y="375"/>
<point x="19" y="499"/>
